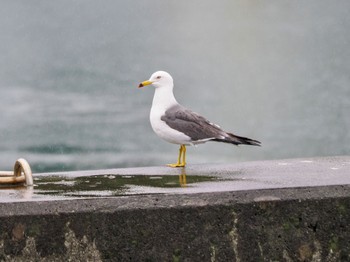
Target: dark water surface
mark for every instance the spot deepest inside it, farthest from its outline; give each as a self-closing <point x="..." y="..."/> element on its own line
<point x="276" y="71"/>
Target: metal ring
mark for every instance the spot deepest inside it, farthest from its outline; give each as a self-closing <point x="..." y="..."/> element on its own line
<point x="22" y="173"/>
<point x="22" y="165"/>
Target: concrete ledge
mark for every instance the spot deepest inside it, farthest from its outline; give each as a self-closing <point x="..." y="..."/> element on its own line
<point x="304" y="223"/>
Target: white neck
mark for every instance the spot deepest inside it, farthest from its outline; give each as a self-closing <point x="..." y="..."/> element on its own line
<point x="164" y="97"/>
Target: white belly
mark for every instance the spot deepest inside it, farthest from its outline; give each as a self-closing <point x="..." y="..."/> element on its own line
<point x="164" y="131"/>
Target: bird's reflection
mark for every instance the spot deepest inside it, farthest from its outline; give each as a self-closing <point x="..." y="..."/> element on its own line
<point x="182" y="177"/>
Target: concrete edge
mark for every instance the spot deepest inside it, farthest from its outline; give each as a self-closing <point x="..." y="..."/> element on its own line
<point x="159" y="201"/>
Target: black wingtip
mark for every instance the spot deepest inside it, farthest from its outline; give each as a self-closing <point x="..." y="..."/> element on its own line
<point x="253" y="142"/>
<point x="238" y="140"/>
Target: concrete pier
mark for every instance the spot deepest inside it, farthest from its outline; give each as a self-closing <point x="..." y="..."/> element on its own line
<point x="282" y="210"/>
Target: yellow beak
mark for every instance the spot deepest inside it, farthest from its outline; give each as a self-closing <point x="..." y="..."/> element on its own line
<point x="145" y="83"/>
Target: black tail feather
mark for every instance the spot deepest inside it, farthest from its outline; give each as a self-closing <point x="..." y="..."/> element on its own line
<point x="238" y="140"/>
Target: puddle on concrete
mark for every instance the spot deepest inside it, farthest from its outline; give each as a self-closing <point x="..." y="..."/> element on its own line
<point x="113" y="185"/>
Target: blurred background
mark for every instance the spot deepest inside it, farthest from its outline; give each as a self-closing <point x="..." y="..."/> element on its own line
<point x="275" y="71"/>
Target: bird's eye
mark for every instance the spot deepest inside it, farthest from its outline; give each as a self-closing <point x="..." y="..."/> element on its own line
<point x="159" y="77"/>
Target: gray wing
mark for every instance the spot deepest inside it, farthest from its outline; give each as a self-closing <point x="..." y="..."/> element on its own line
<point x="191" y="124"/>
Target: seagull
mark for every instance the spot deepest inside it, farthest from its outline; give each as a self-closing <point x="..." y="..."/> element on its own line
<point x="178" y="125"/>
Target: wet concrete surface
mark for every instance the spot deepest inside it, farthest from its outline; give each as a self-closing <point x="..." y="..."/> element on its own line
<point x="292" y="173"/>
<point x="285" y="210"/>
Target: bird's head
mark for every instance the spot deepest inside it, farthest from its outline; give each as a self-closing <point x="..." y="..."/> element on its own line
<point x="158" y="79"/>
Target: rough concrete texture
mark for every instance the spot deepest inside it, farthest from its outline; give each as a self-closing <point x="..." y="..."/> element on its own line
<point x="308" y="223"/>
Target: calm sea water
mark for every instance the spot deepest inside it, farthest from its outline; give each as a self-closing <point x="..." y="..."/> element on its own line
<point x="276" y="71"/>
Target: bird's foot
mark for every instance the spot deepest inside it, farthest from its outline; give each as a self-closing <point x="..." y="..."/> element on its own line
<point x="177" y="165"/>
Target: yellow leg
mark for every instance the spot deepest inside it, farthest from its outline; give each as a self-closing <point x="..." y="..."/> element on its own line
<point x="181" y="160"/>
<point x="183" y="155"/>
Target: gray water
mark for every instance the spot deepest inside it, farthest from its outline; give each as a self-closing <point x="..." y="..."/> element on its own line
<point x="276" y="71"/>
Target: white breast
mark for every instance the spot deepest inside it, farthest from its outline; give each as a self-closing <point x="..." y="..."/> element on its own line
<point x="164" y="131"/>
<point x="164" y="99"/>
